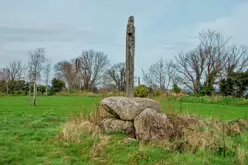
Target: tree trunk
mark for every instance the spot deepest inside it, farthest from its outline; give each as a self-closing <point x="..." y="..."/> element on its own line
<point x="86" y="85"/>
<point x="7" y="88"/>
<point x="46" y="90"/>
<point x="34" y="96"/>
<point x="29" y="91"/>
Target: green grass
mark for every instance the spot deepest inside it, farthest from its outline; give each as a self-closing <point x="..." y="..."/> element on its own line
<point x="217" y="100"/>
<point x="28" y="135"/>
<point x="216" y="111"/>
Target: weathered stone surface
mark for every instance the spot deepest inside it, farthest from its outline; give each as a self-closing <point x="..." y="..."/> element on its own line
<point x="112" y="125"/>
<point x="130" y="50"/>
<point x="128" y="108"/>
<point x="103" y="113"/>
<point x="150" y="125"/>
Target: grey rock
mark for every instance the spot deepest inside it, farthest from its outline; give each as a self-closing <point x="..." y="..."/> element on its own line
<point x="113" y="125"/>
<point x="127" y="108"/>
<point x="103" y="113"/>
<point x="150" y="125"/>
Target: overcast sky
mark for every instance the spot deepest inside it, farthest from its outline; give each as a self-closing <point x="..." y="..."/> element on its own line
<point x="67" y="27"/>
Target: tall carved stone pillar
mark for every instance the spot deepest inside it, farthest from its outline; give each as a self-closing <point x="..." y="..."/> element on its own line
<point x="130" y="50"/>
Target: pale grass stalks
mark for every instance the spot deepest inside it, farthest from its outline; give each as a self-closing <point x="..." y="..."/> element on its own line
<point x="242" y="157"/>
<point x="99" y="146"/>
<point x="79" y="125"/>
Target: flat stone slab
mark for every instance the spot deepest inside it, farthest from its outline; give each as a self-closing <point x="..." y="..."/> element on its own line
<point x="128" y="108"/>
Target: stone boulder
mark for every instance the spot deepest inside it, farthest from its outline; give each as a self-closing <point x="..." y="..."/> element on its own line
<point x="128" y="108"/>
<point x="104" y="114"/>
<point x="150" y="125"/>
<point x="112" y="125"/>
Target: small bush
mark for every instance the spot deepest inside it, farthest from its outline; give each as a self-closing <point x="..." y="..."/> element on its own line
<point x="159" y="92"/>
<point x="176" y="88"/>
<point x="151" y="92"/>
<point x="141" y="91"/>
<point x="62" y="93"/>
<point x="91" y="94"/>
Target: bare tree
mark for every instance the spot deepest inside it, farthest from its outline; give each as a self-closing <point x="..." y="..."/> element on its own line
<point x="3" y="74"/>
<point x="161" y="73"/>
<point x="4" y="77"/>
<point x="107" y="83"/>
<point x="157" y="73"/>
<point x="92" y="65"/>
<point x="170" y="73"/>
<point x="206" y="64"/>
<point x="117" y="74"/>
<point x="190" y="67"/>
<point x="36" y="60"/>
<point x="148" y="78"/>
<point x="14" y="73"/>
<point x="70" y="72"/>
<point x="15" y="69"/>
<point x="237" y="59"/>
<point x="214" y="47"/>
<point x="27" y="77"/>
<point x="47" y="71"/>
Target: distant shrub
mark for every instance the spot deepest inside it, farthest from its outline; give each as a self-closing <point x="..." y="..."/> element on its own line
<point x="159" y="92"/>
<point x="141" y="91"/>
<point x="76" y="93"/>
<point x="39" y="93"/>
<point x="90" y="94"/>
<point x="150" y="90"/>
<point x="57" y="85"/>
<point x="63" y="93"/>
<point x="176" y="88"/>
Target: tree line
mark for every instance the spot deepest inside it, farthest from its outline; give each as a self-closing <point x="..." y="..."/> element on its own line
<point x="214" y="66"/>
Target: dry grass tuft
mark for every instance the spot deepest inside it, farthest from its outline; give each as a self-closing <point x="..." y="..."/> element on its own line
<point x="242" y="157"/>
<point x="182" y="122"/>
<point x="192" y="133"/>
<point x="82" y="126"/>
<point x="178" y="94"/>
<point x="237" y="127"/>
<point x="98" y="149"/>
<point x="74" y="131"/>
<point x="108" y="93"/>
<point x="78" y="126"/>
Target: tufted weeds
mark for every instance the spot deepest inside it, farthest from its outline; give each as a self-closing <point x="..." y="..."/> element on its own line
<point x="84" y="128"/>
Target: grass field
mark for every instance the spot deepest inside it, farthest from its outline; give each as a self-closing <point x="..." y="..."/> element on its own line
<point x="28" y="135"/>
<point x="216" y="111"/>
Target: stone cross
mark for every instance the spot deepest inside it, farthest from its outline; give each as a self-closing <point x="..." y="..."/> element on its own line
<point x="130" y="49"/>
